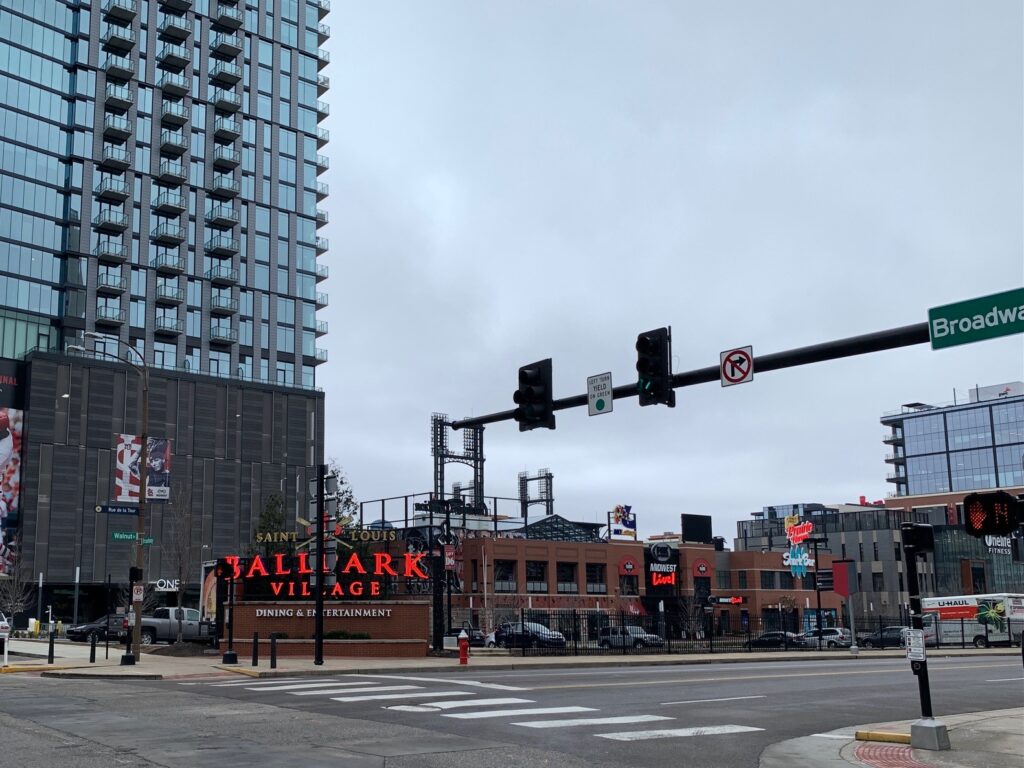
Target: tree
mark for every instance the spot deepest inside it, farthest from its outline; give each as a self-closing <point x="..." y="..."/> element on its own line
<point x="271" y="521"/>
<point x="347" y="504"/>
<point x="15" y="586"/>
<point x="179" y="540"/>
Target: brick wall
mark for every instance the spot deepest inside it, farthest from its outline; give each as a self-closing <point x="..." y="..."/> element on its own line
<point x="405" y="620"/>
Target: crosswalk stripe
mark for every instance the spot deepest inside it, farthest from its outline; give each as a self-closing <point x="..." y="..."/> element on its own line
<point x="709" y="730"/>
<point x="593" y="721"/>
<point x="393" y="696"/>
<point x="301" y="686"/>
<point x="445" y="681"/>
<point x="372" y="689"/>
<point x="519" y="712"/>
<point x="275" y="681"/>
<point x="475" y="703"/>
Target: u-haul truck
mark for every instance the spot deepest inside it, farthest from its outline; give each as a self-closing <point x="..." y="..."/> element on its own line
<point x="979" y="620"/>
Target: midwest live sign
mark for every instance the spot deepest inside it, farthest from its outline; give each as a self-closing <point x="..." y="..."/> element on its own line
<point x="989" y="317"/>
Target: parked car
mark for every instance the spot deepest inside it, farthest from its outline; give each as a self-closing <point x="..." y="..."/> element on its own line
<point x="490" y="641"/>
<point x="629" y="637"/>
<point x="103" y="628"/>
<point x="527" y="634"/>
<point x="477" y="639"/>
<point x="886" y="637"/>
<point x="831" y="637"/>
<point x="162" y="626"/>
<point x="776" y="640"/>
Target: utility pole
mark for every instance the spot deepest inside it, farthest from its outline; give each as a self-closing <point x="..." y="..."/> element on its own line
<point x="817" y="582"/>
<point x="318" y="621"/>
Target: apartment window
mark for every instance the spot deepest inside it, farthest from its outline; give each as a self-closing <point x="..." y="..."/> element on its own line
<point x="860" y="552"/>
<point x="898" y="551"/>
<point x="597" y="582"/>
<point x="504" y="575"/>
<point x="723" y="579"/>
<point x="874" y="550"/>
<point x="877" y="582"/>
<point x="785" y="580"/>
<point x="629" y="585"/>
<point x="566" y="575"/>
<point x="536" y="576"/>
<point x="741" y="579"/>
<point x="767" y="579"/>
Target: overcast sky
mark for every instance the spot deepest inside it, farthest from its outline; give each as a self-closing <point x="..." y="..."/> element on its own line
<point x="518" y="180"/>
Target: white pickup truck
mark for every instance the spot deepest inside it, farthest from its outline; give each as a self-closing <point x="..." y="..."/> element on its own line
<point x="162" y="626"/>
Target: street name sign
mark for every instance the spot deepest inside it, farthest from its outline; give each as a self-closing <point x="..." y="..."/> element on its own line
<point x="915" y="644"/>
<point x="1001" y="314"/>
<point x="116" y="509"/>
<point x="599" y="394"/>
<point x="737" y="366"/>
<point x="122" y="535"/>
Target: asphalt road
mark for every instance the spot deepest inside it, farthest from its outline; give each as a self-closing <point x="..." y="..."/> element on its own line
<point x="711" y="715"/>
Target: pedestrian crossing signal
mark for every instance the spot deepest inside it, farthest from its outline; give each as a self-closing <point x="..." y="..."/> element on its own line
<point x="996" y="513"/>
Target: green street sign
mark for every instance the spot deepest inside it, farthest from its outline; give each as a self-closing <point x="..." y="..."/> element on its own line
<point x="989" y="317"/>
<point x="122" y="535"/>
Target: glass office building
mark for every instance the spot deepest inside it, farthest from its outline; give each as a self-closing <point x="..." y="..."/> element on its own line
<point x="961" y="447"/>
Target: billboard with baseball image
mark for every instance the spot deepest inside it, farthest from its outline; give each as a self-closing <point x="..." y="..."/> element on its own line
<point x="127" y="478"/>
<point x="12" y="419"/>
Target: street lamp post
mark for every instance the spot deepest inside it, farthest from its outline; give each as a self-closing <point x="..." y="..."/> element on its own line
<point x="143" y="372"/>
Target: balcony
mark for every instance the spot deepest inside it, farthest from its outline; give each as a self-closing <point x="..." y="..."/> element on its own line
<point x="116" y="128"/>
<point x="169" y="203"/>
<point x="228" y="45"/>
<point x="226" y="16"/>
<point x="171" y="172"/>
<point x="223" y="305"/>
<point x="323" y="7"/>
<point x="896" y="478"/>
<point x="323" y="58"/>
<point x="891" y="438"/>
<point x="122" y="10"/>
<point x="174" y="57"/>
<point x="118" y="97"/>
<point x="322" y="244"/>
<point x="174" y="84"/>
<point x="222" y="335"/>
<point x="222" y="216"/>
<point x="167" y="293"/>
<point x="110" y="221"/>
<point x="169" y="264"/>
<point x="173" y="143"/>
<point x="322" y="272"/>
<point x="321" y="300"/>
<point x="225" y="73"/>
<point x="226" y="101"/>
<point x="323" y="32"/>
<point x="322" y="137"/>
<point x="117" y="38"/>
<point x="111" y="284"/>
<point x="177" y="5"/>
<point x="323" y="84"/>
<point x="174" y="28"/>
<point x="321" y="217"/>
<point x="225" y="187"/>
<point x="323" y="109"/>
<point x="321" y="328"/>
<point x="322" y="163"/>
<point x="111" y="250"/>
<point x="222" y="275"/>
<point x="222" y="245"/>
<point x="119" y="67"/>
<point x="226" y="158"/>
<point x="169" y="325"/>
<point x="110" y="315"/>
<point x="115" y="159"/>
<point x="113" y="189"/>
<point x="168" y="234"/>
<point x="321" y="355"/>
<point x="227" y="128"/>
<point x="175" y="113"/>
<point x="322" y="190"/>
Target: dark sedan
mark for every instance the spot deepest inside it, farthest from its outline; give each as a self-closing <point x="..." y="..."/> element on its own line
<point x="776" y="640"/>
<point x="102" y="628"/>
<point x="527" y="635"/>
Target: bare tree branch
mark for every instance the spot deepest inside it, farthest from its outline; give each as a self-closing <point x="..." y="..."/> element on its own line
<point x="179" y="549"/>
<point x="15" y="587"/>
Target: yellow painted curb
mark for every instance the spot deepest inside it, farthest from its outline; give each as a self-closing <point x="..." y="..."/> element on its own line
<point x="884" y="736"/>
<point x="236" y="670"/>
<point x="35" y="668"/>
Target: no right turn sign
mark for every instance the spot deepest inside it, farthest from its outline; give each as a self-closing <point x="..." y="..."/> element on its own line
<point x="737" y="366"/>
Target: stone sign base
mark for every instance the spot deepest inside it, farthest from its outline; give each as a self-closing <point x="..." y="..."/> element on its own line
<point x="335" y="649"/>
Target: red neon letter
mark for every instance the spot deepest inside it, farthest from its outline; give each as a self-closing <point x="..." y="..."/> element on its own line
<point x="354" y="564"/>
<point x="279" y="569"/>
<point x="355" y="588"/>
<point x="257" y="567"/>
<point x="412" y="566"/>
<point x="382" y="564"/>
<point x="232" y="560"/>
<point x="304" y="563"/>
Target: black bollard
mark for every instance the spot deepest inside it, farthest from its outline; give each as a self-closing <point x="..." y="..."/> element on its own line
<point x="273" y="652"/>
<point x="92" y="648"/>
<point x="49" y="654"/>
<point x="255" y="649"/>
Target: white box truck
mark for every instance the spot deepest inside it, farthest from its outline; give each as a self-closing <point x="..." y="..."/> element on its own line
<point x="978" y="620"/>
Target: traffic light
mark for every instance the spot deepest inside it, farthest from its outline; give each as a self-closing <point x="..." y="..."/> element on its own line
<point x="918" y="536"/>
<point x="654" y="367"/>
<point x="996" y="513"/>
<point x="534" y="397"/>
<point x="222" y="570"/>
<point x="135" y="575"/>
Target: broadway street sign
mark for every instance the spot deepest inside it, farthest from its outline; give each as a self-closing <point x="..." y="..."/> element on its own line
<point x="989" y="317"/>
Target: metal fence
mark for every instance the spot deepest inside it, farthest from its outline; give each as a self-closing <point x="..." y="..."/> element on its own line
<point x="581" y="633"/>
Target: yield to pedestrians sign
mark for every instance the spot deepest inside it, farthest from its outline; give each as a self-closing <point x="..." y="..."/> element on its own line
<point x="599" y="394"/>
<point x="737" y="366"/>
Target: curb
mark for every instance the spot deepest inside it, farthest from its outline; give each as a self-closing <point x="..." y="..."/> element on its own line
<point x="882" y="736"/>
<point x="100" y="676"/>
<point x="43" y="669"/>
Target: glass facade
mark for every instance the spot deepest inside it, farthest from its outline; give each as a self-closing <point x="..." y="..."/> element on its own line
<point x="958" y="448"/>
<point x="159" y="180"/>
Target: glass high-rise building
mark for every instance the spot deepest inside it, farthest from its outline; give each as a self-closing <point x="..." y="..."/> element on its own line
<point x="160" y="165"/>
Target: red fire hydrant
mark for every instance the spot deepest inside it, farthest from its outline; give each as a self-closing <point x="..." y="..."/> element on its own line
<point x="463" y="648"/>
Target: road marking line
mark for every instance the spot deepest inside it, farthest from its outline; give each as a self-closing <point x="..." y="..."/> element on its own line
<point x="1005" y="680"/>
<point x="705" y="701"/>
<point x="846" y="736"/>
<point x="518" y="712"/>
<point x="372" y="689"/>
<point x="445" y="681"/>
<point x="475" y="703"/>
<point x="393" y="696"/>
<point x="710" y="730"/>
<point x="593" y="721"/>
<point x="275" y="681"/>
<point x="298" y="686"/>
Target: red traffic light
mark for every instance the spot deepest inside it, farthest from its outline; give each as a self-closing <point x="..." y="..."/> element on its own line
<point x="996" y="513"/>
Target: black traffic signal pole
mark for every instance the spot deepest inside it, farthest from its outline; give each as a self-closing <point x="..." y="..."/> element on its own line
<point x="906" y="336"/>
<point x="318" y="620"/>
<point x="920" y="668"/>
